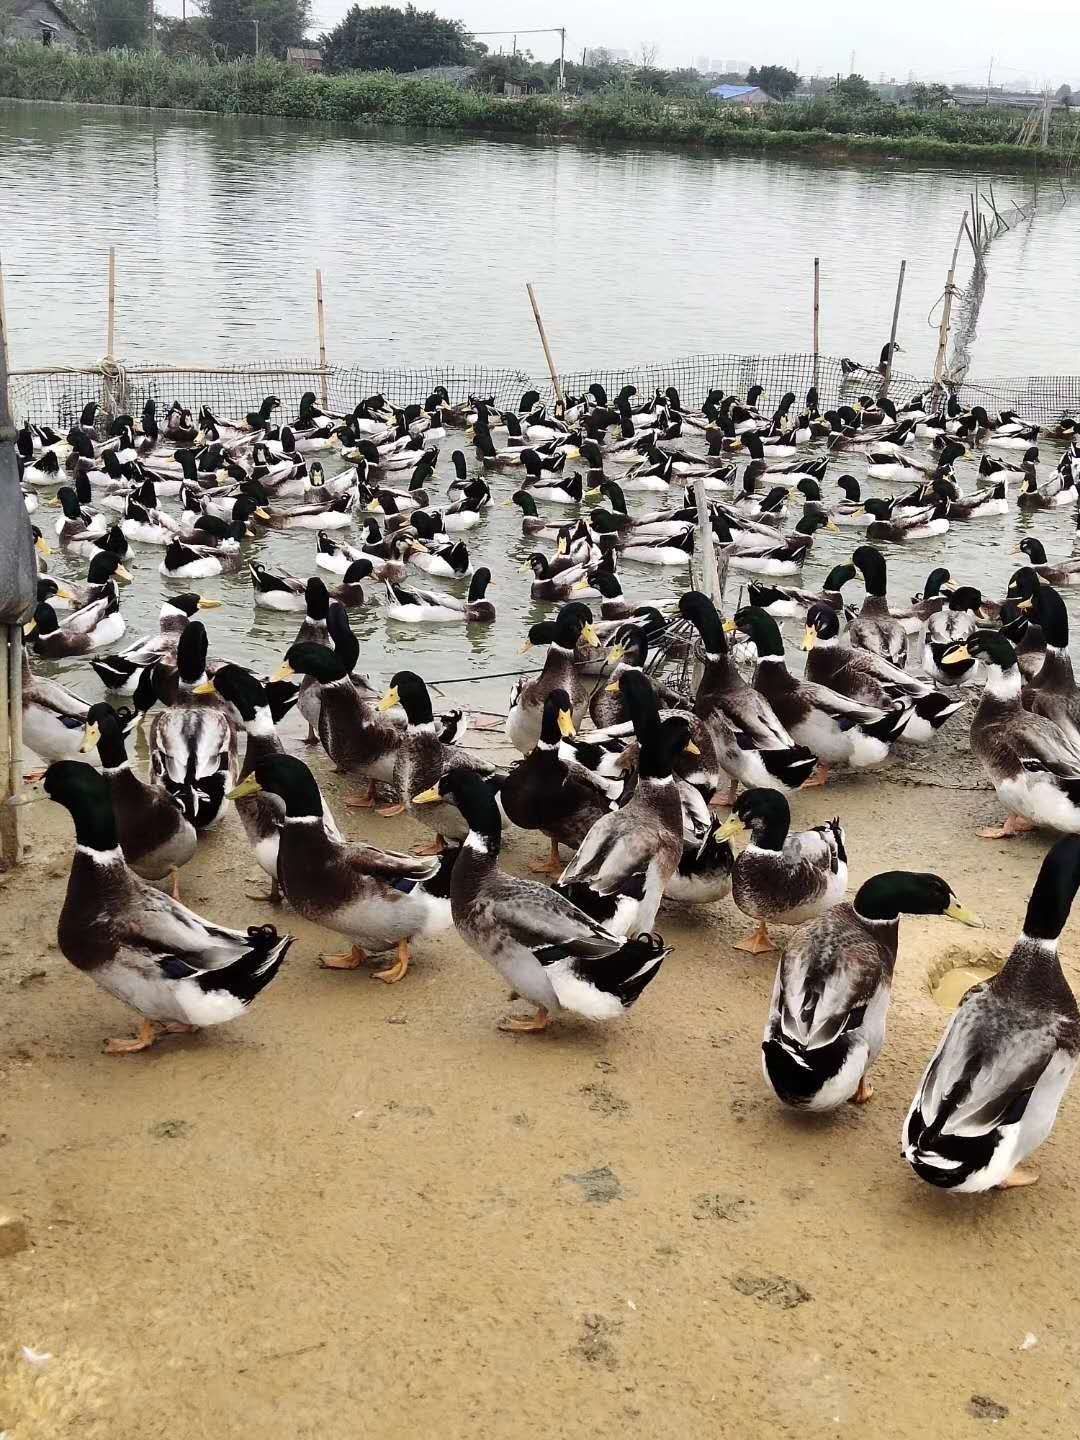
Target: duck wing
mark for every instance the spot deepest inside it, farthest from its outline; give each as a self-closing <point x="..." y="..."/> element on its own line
<point x="612" y="852"/>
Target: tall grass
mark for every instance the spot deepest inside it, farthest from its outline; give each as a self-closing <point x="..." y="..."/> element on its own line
<point x="267" y="87"/>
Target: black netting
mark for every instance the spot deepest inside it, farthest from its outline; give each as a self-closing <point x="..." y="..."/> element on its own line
<point x="56" y="397"/>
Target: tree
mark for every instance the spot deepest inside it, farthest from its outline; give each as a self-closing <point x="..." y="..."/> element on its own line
<point x="182" y="39"/>
<point x="385" y="38"/>
<point x="776" y="80"/>
<point x="855" y="90"/>
<point x="1064" y="94"/>
<point x="929" y="97"/>
<point x="249" y="27"/>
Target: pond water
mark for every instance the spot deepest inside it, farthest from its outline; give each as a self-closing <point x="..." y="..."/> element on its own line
<point x="426" y="242"/>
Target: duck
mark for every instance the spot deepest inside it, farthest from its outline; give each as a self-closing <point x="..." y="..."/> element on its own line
<point x="77" y="527"/>
<point x="332" y="514"/>
<point x="531" y="521"/>
<point x="147" y="524"/>
<point x="356" y="737"/>
<point x="276" y="591"/>
<point x="991" y="1092"/>
<point x="1052" y="691"/>
<point x="759" y="556"/>
<point x="177" y="970"/>
<point x="991" y="500"/>
<point x="334" y="555"/>
<point x="871" y="679"/>
<point x="1030" y="761"/>
<point x="198" y="562"/>
<point x="558" y="585"/>
<point x="662" y="549"/>
<point x="105" y="566"/>
<point x="90" y="628"/>
<point x="421" y="758"/>
<point x="193" y="745"/>
<point x="945" y="629"/>
<point x="544" y="947"/>
<point x="787" y="603"/>
<point x="429" y="607"/>
<point x="634" y="851"/>
<point x="704" y="872"/>
<point x="551" y="792"/>
<point x="525" y="713"/>
<point x="629" y="651"/>
<point x="912" y="524"/>
<point x="259" y="814"/>
<point x="833" y="986"/>
<point x="753" y="745"/>
<point x="53" y="718"/>
<point x="155" y="835"/>
<point x="778" y="876"/>
<point x="1065" y="572"/>
<point x="120" y="673"/>
<point x="875" y="628"/>
<point x="450" y="560"/>
<point x="377" y="899"/>
<point x="832" y="726"/>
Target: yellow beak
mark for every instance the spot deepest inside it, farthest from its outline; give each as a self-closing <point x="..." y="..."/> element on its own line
<point x="506" y="504"/>
<point x="389" y="700"/>
<point x="91" y="736"/>
<point x="30" y="627"/>
<point x="581" y="585"/>
<point x="566" y="723"/>
<point x="205" y="603"/>
<point x="283" y="672"/>
<point x="731" y="826"/>
<point x="729" y="627"/>
<point x="616" y="653"/>
<point x="963" y="915"/>
<point x="248" y="786"/>
<point x="691" y="748"/>
<point x="1025" y="604"/>
<point x="62" y="594"/>
<point x="832" y="526"/>
<point x="961" y="652"/>
<point x="809" y="638"/>
<point x="427" y="797"/>
<point x="42" y="547"/>
<point x="206" y="688"/>
<point x="262" y="513"/>
<point x="526" y="646"/>
<point x="593" y="495"/>
<point x="612" y="689"/>
<point x="590" y="636"/>
<point x="375" y="508"/>
<point x="123" y="573"/>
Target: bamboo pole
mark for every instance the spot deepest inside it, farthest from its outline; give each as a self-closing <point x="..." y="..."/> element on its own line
<point x="9" y="821"/>
<point x="547" y="348"/>
<point x="709" y="579"/>
<point x="5" y="398"/>
<point x="817" y="315"/>
<point x="322" y="335"/>
<point x="946" y="309"/>
<point x="110" y="332"/>
<point x="892" y="334"/>
<point x="10" y="661"/>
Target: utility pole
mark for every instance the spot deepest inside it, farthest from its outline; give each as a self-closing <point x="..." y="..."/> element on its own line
<point x="150" y="37"/>
<point x="1046" y="119"/>
<point x="989" y="72"/>
<point x="562" y="58"/>
<point x="255" y="22"/>
<point x="851" y="64"/>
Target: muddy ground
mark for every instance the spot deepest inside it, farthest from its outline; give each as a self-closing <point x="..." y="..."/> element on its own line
<point x="364" y="1211"/>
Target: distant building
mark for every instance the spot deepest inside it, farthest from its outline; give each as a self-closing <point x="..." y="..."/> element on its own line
<point x="739" y="95"/>
<point x="42" y="22"/>
<point x="306" y="59"/>
<point x="1004" y="100"/>
<point x="460" y="75"/>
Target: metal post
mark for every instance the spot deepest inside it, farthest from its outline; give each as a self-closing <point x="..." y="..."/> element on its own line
<point x="9" y="825"/>
<point x="709" y="579"/>
<point x="10" y="658"/>
<point x="892" y="334"/>
<point x="110" y="330"/>
<point x="322" y="334"/>
<point x="817" y="312"/>
<point x="255" y="22"/>
<point x="547" y="348"/>
<point x="562" y="59"/>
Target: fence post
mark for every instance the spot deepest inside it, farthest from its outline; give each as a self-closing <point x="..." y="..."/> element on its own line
<point x="110" y="329"/>
<point x="547" y="349"/>
<point x="322" y="335"/>
<point x="946" y="309"/>
<point x="817" y="312"/>
<point x="892" y="334"/>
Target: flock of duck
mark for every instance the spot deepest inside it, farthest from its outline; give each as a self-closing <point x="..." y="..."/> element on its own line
<point x="633" y="797"/>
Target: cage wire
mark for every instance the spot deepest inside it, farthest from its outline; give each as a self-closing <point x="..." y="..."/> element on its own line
<point x="56" y="396"/>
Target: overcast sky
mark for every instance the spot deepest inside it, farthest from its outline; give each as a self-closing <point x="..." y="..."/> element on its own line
<point x="1038" y="41"/>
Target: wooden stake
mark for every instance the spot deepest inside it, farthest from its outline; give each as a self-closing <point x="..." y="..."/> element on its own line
<point x="322" y="335"/>
<point x="547" y="348"/>
<point x="9" y="823"/>
<point x="817" y="313"/>
<point x="10" y="652"/>
<point x="946" y="309"/>
<point x="5" y="399"/>
<point x="892" y="334"/>
<point x="110" y="333"/>
<point x="709" y="579"/>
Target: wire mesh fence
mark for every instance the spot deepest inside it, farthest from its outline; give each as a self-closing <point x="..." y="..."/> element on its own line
<point x="57" y="396"/>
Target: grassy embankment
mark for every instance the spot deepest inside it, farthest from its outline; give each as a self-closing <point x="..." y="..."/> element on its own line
<point x="266" y="87"/>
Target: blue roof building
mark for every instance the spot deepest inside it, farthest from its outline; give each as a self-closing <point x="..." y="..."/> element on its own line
<point x="739" y="95"/>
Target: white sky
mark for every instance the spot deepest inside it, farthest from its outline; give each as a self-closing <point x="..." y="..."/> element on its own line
<point x="954" y="40"/>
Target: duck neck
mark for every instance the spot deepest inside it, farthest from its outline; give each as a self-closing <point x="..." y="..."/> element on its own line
<point x="769" y="833"/>
<point x="1057" y="671"/>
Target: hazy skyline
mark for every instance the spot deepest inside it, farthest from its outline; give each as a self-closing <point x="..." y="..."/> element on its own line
<point x="929" y="39"/>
